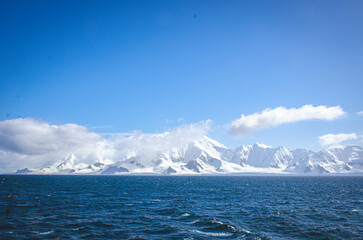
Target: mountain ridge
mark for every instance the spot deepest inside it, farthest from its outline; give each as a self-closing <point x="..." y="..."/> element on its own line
<point x="207" y="156"/>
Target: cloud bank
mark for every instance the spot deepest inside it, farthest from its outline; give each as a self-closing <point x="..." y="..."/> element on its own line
<point x="32" y="137"/>
<point x="33" y="143"/>
<point x="281" y="115"/>
<point x="335" y="139"/>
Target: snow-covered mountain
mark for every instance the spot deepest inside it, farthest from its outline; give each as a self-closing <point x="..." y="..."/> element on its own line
<point x="210" y="157"/>
<point x="336" y="159"/>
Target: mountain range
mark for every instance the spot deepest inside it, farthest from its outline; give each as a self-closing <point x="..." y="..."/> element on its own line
<point x="207" y="156"/>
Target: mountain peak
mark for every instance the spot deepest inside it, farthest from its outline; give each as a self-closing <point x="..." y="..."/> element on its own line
<point x="207" y="140"/>
<point x="206" y="155"/>
<point x="261" y="145"/>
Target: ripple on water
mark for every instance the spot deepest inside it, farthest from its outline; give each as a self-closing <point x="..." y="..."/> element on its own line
<point x="214" y="224"/>
<point x="213" y="227"/>
<point x="160" y="230"/>
<point x="130" y="207"/>
<point x="213" y="234"/>
<point x="46" y="233"/>
<point x="185" y="215"/>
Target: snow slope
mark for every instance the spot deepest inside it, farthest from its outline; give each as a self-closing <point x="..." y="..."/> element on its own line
<point x="207" y="156"/>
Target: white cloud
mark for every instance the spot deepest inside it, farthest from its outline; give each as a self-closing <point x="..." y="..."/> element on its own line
<point x="150" y="144"/>
<point x="359" y="113"/>
<point x="335" y="139"/>
<point x="32" y="143"/>
<point x="280" y="115"/>
<point x="32" y="137"/>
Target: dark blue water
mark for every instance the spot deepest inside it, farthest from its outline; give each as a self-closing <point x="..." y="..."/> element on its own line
<point x="199" y="207"/>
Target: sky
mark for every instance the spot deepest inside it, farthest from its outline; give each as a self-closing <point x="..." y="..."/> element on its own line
<point x="282" y="73"/>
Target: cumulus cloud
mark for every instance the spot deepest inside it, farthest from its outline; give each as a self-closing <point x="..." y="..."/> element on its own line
<point x="280" y="115"/>
<point x="32" y="143"/>
<point x="335" y="139"/>
<point x="32" y="137"/>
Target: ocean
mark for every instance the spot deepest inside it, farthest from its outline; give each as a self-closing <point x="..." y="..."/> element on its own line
<point x="180" y="207"/>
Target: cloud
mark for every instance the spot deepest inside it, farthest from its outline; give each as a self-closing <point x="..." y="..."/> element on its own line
<point x="32" y="137"/>
<point x="148" y="145"/>
<point x="335" y="139"/>
<point x="359" y="113"/>
<point x="280" y="115"/>
<point x="33" y="143"/>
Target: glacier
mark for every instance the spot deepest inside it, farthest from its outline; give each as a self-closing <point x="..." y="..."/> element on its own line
<point x="207" y="156"/>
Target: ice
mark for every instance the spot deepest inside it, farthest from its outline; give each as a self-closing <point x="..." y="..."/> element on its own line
<point x="207" y="156"/>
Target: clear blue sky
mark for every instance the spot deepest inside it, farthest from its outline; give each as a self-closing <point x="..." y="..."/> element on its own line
<point x="118" y="66"/>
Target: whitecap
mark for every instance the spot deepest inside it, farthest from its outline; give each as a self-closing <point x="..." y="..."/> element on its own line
<point x="245" y="231"/>
<point x="212" y="234"/>
<point x="76" y="229"/>
<point x="46" y="233"/>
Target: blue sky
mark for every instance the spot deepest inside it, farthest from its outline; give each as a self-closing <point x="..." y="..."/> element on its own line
<point x="119" y="66"/>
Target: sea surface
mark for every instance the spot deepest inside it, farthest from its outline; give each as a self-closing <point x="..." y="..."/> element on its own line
<point x="180" y="207"/>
